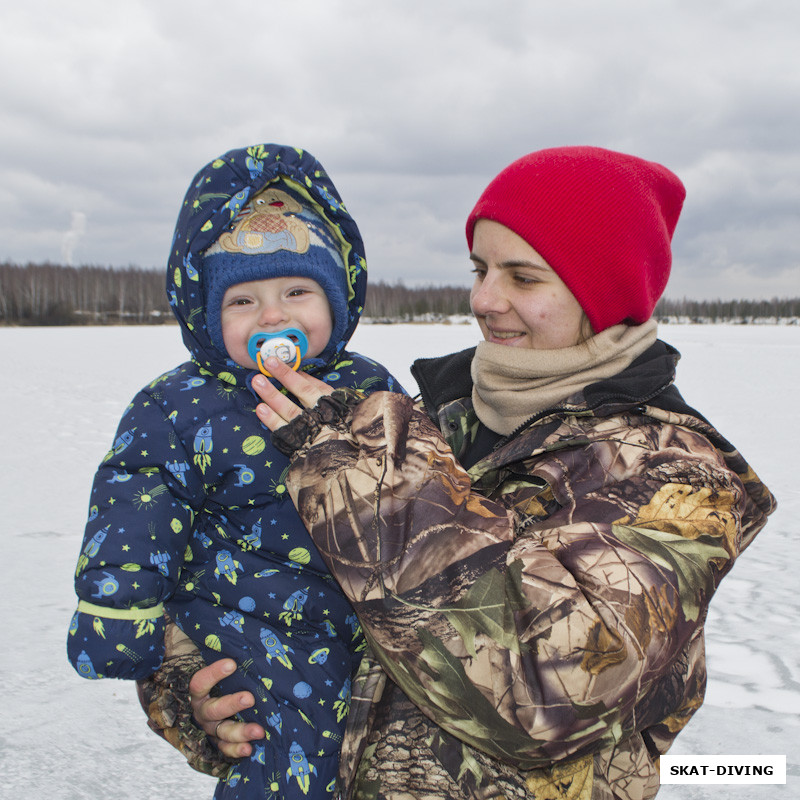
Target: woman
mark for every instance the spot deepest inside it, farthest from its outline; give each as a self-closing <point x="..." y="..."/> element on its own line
<point x="535" y="623"/>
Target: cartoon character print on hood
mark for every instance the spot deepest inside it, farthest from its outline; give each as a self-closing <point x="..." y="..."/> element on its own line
<point x="216" y="203"/>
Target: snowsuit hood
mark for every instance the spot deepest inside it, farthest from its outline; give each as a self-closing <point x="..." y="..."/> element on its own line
<point x="217" y="193"/>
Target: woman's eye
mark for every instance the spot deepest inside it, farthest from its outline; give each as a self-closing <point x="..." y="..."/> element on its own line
<point x="479" y="273"/>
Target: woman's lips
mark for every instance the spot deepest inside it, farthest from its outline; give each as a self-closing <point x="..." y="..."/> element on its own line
<point x="504" y="337"/>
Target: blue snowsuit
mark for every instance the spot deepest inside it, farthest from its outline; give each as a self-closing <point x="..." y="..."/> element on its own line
<point x="189" y="514"/>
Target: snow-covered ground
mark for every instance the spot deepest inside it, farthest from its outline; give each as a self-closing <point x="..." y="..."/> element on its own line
<point x="63" y="391"/>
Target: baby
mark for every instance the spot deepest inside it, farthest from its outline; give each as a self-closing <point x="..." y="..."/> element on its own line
<point x="189" y="513"/>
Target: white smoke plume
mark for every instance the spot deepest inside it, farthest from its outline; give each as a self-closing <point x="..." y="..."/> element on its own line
<point x="72" y="237"/>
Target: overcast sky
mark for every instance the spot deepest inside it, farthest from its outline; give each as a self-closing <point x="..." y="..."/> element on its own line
<point x="108" y="109"/>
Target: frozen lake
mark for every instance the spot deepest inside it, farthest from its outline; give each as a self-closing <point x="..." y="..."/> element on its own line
<point x="64" y="390"/>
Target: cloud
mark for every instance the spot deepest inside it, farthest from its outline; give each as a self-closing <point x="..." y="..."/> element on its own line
<point x="411" y="107"/>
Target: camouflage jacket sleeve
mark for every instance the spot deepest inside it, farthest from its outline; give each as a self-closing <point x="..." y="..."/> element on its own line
<point x="534" y="627"/>
<point x="165" y="698"/>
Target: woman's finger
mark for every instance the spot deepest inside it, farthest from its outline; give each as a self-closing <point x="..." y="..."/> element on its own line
<point x="269" y="417"/>
<point x="232" y="731"/>
<point x="204" y="680"/>
<point x="304" y="387"/>
<point x="209" y="711"/>
<point x="214" y="714"/>
<point x="283" y="408"/>
<point x="233" y="737"/>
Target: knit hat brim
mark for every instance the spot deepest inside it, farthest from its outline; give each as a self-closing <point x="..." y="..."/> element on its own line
<point x="229" y="269"/>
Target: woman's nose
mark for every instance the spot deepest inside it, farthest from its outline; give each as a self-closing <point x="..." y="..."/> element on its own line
<point x="487" y="296"/>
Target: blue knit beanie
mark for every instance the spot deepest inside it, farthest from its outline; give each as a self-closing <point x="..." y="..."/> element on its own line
<point x="278" y="234"/>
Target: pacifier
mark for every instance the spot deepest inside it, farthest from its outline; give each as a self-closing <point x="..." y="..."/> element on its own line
<point x="288" y="345"/>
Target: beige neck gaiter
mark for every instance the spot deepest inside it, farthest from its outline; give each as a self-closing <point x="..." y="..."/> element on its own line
<point x="511" y="384"/>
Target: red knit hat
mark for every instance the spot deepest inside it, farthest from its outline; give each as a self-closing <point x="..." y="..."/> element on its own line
<point x="602" y="220"/>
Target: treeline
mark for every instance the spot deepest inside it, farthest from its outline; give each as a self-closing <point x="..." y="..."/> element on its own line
<point x="741" y="311"/>
<point x="51" y="294"/>
<point x="398" y="303"/>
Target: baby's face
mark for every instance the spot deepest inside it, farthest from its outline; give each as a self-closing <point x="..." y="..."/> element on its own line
<point x="271" y="305"/>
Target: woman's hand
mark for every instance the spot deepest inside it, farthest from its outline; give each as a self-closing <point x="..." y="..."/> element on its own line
<point x="277" y="409"/>
<point x="213" y="714"/>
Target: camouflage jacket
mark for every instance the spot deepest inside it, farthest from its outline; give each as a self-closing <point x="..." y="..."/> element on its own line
<point x="536" y="623"/>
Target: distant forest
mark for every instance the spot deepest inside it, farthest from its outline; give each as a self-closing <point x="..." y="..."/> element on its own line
<point x="51" y="294"/>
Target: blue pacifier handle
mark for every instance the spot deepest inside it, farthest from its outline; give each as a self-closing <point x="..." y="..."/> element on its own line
<point x="283" y="344"/>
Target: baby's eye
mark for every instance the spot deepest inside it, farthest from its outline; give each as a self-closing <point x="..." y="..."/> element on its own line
<point x="298" y="292"/>
<point x="239" y="301"/>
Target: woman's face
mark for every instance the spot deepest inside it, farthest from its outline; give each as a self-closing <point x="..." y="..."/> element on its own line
<point x="517" y="298"/>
